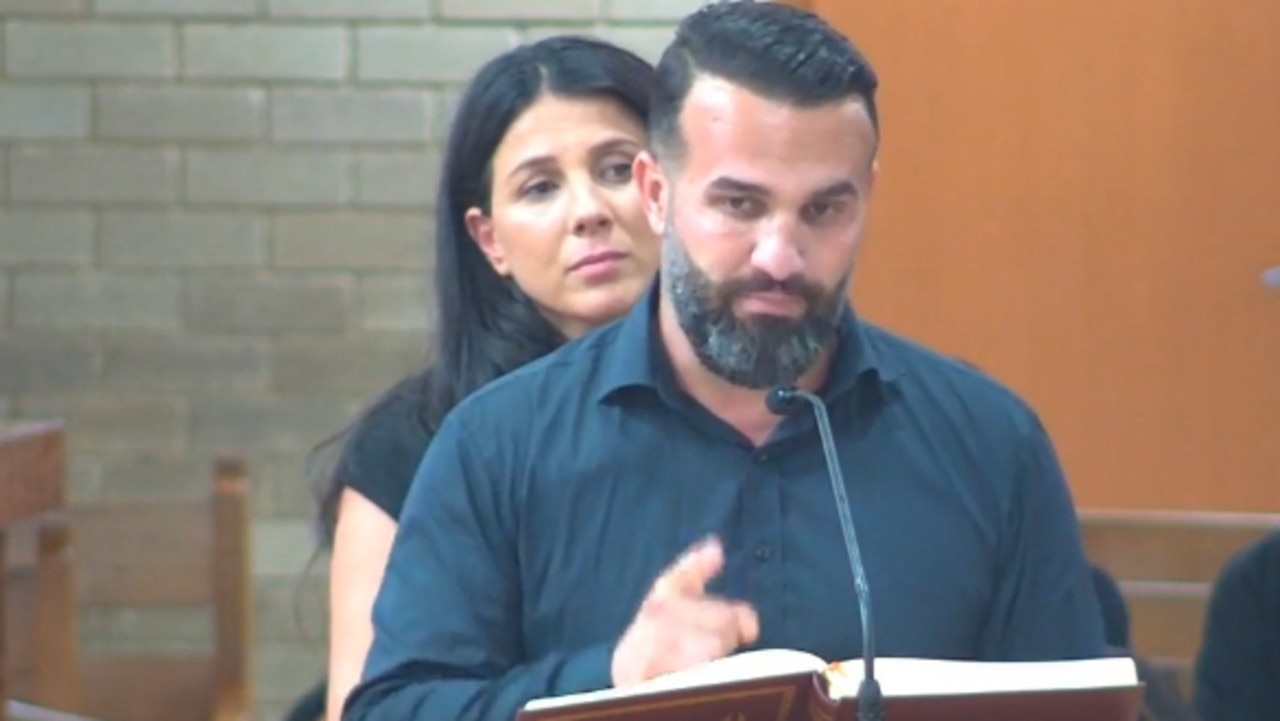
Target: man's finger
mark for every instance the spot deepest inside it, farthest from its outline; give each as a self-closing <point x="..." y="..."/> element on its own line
<point x="693" y="570"/>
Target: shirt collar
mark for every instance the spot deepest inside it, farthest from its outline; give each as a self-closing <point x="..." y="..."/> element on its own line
<point x="637" y="359"/>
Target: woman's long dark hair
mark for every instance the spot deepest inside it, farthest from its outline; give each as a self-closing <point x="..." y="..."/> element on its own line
<point x="487" y="326"/>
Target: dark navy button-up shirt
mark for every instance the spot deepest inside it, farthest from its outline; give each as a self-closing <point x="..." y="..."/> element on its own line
<point x="551" y="499"/>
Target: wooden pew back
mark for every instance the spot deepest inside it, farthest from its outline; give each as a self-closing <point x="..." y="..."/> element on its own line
<point x="168" y="554"/>
<point x="40" y="617"/>
<point x="38" y="649"/>
<point x="1166" y="563"/>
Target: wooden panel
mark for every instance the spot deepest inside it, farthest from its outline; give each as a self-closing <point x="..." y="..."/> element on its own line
<point x="122" y="688"/>
<point x="57" y="623"/>
<point x="233" y="589"/>
<point x="1166" y="563"/>
<point x="161" y="553"/>
<point x="144" y="554"/>
<point x="1167" y="619"/>
<point x="40" y="623"/>
<point x="1167" y="627"/>
<point x="32" y="463"/>
<point x="19" y="632"/>
<point x="1077" y="195"/>
<point x="1188" y="547"/>
<point x="4" y="661"/>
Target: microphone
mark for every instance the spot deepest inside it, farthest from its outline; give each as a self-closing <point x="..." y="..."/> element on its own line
<point x="785" y="401"/>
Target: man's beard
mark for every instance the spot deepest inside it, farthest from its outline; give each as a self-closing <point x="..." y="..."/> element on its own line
<point x="761" y="351"/>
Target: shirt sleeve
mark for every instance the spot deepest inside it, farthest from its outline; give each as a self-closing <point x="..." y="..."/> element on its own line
<point x="447" y="621"/>
<point x="1044" y="607"/>
<point x="1238" y="669"/>
<point x="381" y="456"/>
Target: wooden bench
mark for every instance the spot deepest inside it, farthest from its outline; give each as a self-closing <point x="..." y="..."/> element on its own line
<point x="141" y="555"/>
<point x="1165" y="563"/>
<point x="40" y="625"/>
<point x="32" y="469"/>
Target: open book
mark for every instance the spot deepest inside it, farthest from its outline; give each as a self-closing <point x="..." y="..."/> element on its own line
<point x="782" y="685"/>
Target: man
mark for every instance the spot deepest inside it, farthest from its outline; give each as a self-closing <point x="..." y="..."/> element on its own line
<point x="1237" y="673"/>
<point x="628" y="506"/>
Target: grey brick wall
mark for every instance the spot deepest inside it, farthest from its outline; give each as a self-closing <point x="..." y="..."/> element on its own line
<point x="214" y="235"/>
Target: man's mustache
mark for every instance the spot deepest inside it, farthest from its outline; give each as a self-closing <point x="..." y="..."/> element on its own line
<point x="763" y="283"/>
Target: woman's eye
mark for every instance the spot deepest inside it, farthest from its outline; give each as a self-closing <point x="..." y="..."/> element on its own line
<point x="538" y="188"/>
<point x="617" y="172"/>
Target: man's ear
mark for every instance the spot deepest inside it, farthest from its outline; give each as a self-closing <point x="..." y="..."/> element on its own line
<point x="480" y="227"/>
<point x="655" y="189"/>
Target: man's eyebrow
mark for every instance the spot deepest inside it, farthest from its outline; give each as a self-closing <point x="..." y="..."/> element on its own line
<point x="836" y="190"/>
<point x="726" y="184"/>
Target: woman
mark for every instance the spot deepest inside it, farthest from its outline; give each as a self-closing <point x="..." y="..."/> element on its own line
<point x="1161" y="701"/>
<point x="540" y="236"/>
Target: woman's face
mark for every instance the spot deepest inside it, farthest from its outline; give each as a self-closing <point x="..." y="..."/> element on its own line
<point x="565" y="221"/>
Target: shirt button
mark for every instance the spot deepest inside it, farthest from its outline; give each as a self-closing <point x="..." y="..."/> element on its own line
<point x="763" y="553"/>
<point x="760" y="456"/>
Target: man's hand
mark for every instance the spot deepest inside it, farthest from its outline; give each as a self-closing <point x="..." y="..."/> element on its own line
<point x="679" y="625"/>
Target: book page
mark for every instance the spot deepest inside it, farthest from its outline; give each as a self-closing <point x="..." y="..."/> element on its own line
<point x="929" y="677"/>
<point x="744" y="666"/>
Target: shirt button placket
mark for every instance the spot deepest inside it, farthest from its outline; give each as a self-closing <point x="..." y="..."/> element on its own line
<point x="763" y="516"/>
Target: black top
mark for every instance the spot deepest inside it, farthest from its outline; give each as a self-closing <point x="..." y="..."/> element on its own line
<point x="552" y="498"/>
<point x="383" y="452"/>
<point x="1238" y="669"/>
<point x="1115" y="612"/>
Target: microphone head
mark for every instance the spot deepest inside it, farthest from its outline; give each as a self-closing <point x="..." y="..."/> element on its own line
<point x="782" y="400"/>
<point x="1271" y="278"/>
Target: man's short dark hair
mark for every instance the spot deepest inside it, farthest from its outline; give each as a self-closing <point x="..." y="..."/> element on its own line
<point x="774" y="50"/>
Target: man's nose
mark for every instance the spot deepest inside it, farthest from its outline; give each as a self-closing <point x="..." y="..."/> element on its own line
<point x="777" y="252"/>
